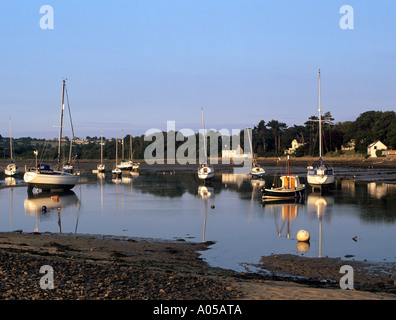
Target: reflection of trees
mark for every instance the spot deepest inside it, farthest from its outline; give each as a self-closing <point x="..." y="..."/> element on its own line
<point x="168" y="185"/>
<point x="374" y="205"/>
<point x="175" y="185"/>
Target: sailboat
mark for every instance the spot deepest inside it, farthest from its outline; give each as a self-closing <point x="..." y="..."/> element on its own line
<point x="12" y="168"/>
<point x="116" y="170"/>
<point x="256" y="170"/>
<point x="47" y="179"/>
<point x="101" y="167"/>
<point x="291" y="188"/>
<point x="128" y="164"/>
<point x="320" y="176"/>
<point x="205" y="172"/>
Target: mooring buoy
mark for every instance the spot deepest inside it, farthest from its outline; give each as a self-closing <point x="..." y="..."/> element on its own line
<point x="303" y="235"/>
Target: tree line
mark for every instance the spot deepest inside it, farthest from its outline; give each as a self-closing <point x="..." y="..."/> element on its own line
<point x="269" y="138"/>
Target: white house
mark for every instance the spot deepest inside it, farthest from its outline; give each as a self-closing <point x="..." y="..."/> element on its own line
<point x="294" y="147"/>
<point x="376" y="145"/>
<point x="233" y="153"/>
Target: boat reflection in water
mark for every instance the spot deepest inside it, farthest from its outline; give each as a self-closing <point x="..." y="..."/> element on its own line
<point x="286" y="213"/>
<point x="10" y="181"/>
<point x="42" y="204"/>
<point x="319" y="205"/>
<point x="205" y="193"/>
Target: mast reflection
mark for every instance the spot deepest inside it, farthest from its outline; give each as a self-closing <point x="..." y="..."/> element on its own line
<point x="42" y="204"/>
<point x="319" y="205"/>
<point x="205" y="193"/>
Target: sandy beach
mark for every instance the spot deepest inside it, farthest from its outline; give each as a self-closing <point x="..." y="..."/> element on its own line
<point x="99" y="267"/>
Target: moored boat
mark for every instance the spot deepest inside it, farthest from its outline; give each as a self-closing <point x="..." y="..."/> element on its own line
<point x="116" y="172"/>
<point x="205" y="171"/>
<point x="291" y="188"/>
<point x="256" y="170"/>
<point x="320" y="176"/>
<point x="47" y="179"/>
<point x="12" y="168"/>
<point x="101" y="167"/>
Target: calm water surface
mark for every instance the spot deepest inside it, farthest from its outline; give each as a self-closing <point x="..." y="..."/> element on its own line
<point x="227" y="211"/>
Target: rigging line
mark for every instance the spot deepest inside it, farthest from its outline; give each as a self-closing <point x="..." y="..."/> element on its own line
<point x="71" y="123"/>
<point x="72" y="129"/>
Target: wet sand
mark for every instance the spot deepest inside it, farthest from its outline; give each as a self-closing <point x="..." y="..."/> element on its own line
<point x="88" y="267"/>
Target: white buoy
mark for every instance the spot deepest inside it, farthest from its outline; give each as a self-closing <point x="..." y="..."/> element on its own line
<point x="303" y="235"/>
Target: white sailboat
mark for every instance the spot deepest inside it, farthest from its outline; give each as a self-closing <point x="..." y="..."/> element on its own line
<point x="12" y="168"/>
<point x="256" y="170"/>
<point x="101" y="167"/>
<point x="116" y="171"/>
<point x="47" y="179"/>
<point x="129" y="164"/>
<point x="205" y="172"/>
<point x="320" y="176"/>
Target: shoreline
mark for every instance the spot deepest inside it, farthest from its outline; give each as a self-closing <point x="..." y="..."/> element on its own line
<point x="98" y="267"/>
<point x="381" y="170"/>
<point x="349" y="161"/>
<point x="91" y="267"/>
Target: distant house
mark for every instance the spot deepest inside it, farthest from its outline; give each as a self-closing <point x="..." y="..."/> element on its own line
<point x="295" y="145"/>
<point x="233" y="153"/>
<point x="349" y="145"/>
<point x="373" y="147"/>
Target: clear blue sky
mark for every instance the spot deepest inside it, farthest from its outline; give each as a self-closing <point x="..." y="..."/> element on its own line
<point x="134" y="64"/>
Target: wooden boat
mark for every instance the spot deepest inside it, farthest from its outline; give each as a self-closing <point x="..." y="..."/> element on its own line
<point x="205" y="172"/>
<point x="12" y="168"/>
<point x="291" y="188"/>
<point x="320" y="176"/>
<point x="45" y="178"/>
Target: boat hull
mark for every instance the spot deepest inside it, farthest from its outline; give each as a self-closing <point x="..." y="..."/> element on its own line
<point x="320" y="176"/>
<point x="280" y="193"/>
<point x="320" y="180"/>
<point x="257" y="172"/>
<point x="205" y="173"/>
<point x="51" y="181"/>
<point x="128" y="165"/>
<point x="11" y="170"/>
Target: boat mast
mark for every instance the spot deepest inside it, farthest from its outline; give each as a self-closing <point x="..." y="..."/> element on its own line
<point x="204" y="137"/>
<point x="101" y="149"/>
<point x="71" y="124"/>
<point x="122" y="144"/>
<point x="61" y="122"/>
<point x="130" y="146"/>
<point x="10" y="142"/>
<point x="116" y="151"/>
<point x="320" y="122"/>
